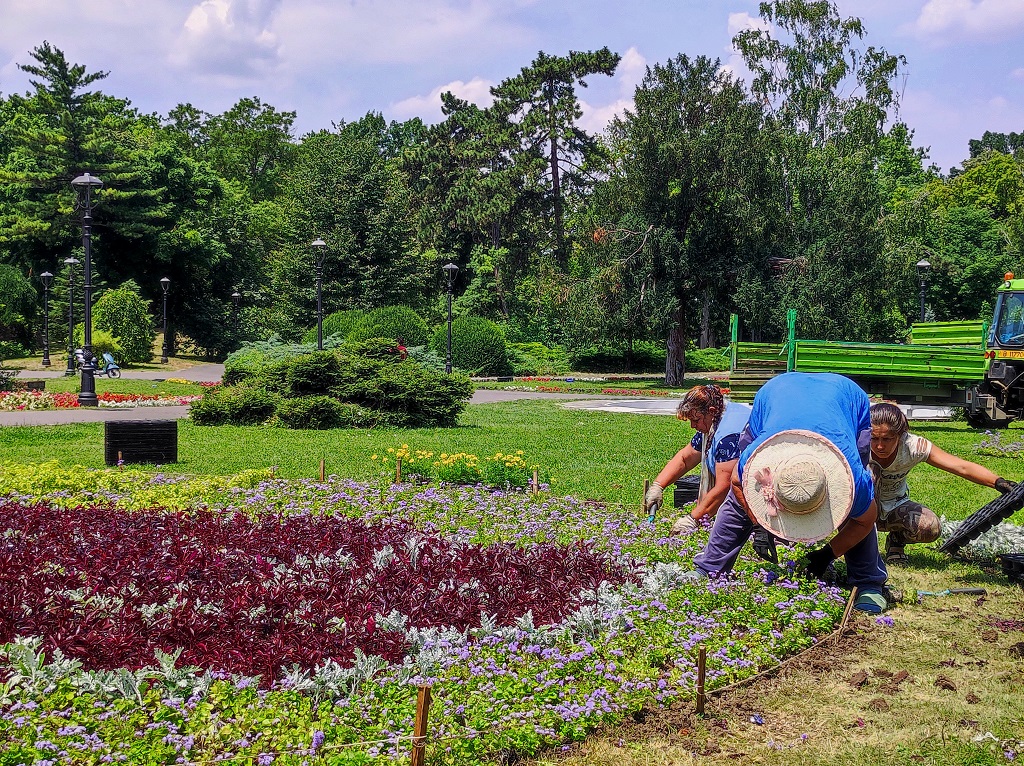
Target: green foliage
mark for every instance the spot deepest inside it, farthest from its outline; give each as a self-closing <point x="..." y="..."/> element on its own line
<point x="243" y="404"/>
<point x="314" y="412"/>
<point x="102" y="342"/>
<point x="11" y="349"/>
<point x="7" y="377"/>
<point x="379" y="349"/>
<point x="394" y="322"/>
<point x="478" y="346"/>
<point x="339" y="324"/>
<point x="644" y="357"/>
<point x="707" y="359"/>
<point x="410" y="396"/>
<point x="123" y="312"/>
<point x="313" y="374"/>
<point x="427" y="358"/>
<point x="17" y="305"/>
<point x="253" y="358"/>
<point x="537" y="359"/>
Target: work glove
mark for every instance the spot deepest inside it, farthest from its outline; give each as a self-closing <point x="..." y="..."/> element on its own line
<point x="685" y="525"/>
<point x="1004" y="485"/>
<point x="764" y="545"/>
<point x="655" y="497"/>
<point x="817" y="561"/>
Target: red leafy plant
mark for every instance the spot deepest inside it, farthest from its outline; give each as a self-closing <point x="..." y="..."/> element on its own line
<point x="110" y="587"/>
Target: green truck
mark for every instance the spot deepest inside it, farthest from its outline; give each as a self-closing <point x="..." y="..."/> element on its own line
<point x="978" y="366"/>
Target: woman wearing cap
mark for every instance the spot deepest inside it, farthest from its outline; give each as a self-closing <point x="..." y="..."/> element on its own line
<point x="715" y="447"/>
<point x="894" y="452"/>
<point x="802" y="474"/>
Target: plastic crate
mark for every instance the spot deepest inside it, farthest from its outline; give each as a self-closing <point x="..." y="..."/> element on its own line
<point x="1013" y="566"/>
<point x="686" y="491"/>
<point x="982" y="520"/>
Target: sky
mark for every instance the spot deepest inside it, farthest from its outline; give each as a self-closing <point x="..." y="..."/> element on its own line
<point x="336" y="60"/>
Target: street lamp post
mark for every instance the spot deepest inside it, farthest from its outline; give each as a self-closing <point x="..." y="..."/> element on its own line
<point x="47" y="280"/>
<point x="235" y="298"/>
<point x="922" y="273"/>
<point x="319" y="247"/>
<point x="165" y="283"/>
<point x="450" y="270"/>
<point x="71" y="263"/>
<point x="84" y="185"/>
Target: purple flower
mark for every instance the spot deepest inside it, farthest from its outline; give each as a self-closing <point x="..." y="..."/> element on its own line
<point x="318" y="740"/>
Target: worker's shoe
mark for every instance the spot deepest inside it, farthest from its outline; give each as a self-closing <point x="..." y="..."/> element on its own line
<point x="685" y="525"/>
<point x="895" y="555"/>
<point x="871" y="600"/>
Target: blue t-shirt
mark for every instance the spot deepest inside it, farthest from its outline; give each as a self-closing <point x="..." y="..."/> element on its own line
<point x="725" y="444"/>
<point x="824" y="403"/>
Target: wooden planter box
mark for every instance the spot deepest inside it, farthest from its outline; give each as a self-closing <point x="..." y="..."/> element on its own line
<point x="29" y="385"/>
<point x="140" y="441"/>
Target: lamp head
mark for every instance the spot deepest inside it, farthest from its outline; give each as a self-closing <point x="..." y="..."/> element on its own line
<point x="47" y="279"/>
<point x="450" y="270"/>
<point x="86" y="181"/>
<point x="165" y="283"/>
<point x="71" y="261"/>
<point x="236" y="296"/>
<point x="922" y="268"/>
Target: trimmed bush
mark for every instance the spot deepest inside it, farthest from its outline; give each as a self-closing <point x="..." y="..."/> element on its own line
<point x="241" y="405"/>
<point x="392" y="322"/>
<point x="313" y="412"/>
<point x="102" y="342"/>
<point x="410" y="396"/>
<point x="339" y="325"/>
<point x="537" y="359"/>
<point x="647" y="357"/>
<point x="312" y="374"/>
<point x="381" y="349"/>
<point x="125" y="315"/>
<point x="478" y="346"/>
<point x="253" y="358"/>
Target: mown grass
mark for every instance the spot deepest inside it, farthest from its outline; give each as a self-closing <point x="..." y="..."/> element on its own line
<point x="126" y="386"/>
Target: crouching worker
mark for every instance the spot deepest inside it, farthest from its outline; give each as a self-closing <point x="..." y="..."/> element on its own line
<point x="801" y="475"/>
<point x="715" y="447"/>
<point x="894" y="452"/>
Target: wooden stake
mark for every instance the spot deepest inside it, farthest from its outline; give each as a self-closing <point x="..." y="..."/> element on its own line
<point x="398" y="471"/>
<point x="643" y="500"/>
<point x="702" y="658"/>
<point x="120" y="461"/>
<point x="419" y="731"/>
<point x="322" y="466"/>
<point x="536" y="482"/>
<point x="273" y="472"/>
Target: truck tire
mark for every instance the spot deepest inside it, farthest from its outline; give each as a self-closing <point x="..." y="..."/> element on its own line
<point x="981" y="420"/>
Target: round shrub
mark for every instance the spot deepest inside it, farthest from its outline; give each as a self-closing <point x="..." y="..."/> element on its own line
<point x="381" y="349"/>
<point x="102" y="342"/>
<point x="339" y="324"/>
<point x="478" y="346"/>
<point x="313" y="412"/>
<point x="125" y="315"/>
<point x="312" y="374"/>
<point x="392" y="322"/>
<point x="241" y="405"/>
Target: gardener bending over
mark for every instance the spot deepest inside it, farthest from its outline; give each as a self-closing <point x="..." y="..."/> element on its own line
<point x="715" y="447"/>
<point x="894" y="451"/>
<point x="801" y="475"/>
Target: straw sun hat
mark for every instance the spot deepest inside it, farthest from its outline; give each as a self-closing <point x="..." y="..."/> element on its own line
<point x="798" y="486"/>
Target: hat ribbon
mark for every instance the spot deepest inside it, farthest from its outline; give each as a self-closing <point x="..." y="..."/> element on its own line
<point x="766" y="486"/>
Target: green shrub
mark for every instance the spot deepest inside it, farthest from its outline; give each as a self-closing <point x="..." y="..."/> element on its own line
<point x="647" y="357"/>
<point x="102" y="342"/>
<point x="707" y="359"/>
<point x="426" y="357"/>
<point x="381" y="349"/>
<point x="391" y="322"/>
<point x="312" y="374"/>
<point x="312" y="412"/>
<point x="124" y="314"/>
<point x="11" y="349"/>
<point x="253" y="358"/>
<point x="537" y="359"/>
<point x="478" y="346"/>
<point x="240" y="405"/>
<point x="7" y="377"/>
<point x="409" y="396"/>
<point x="339" y="325"/>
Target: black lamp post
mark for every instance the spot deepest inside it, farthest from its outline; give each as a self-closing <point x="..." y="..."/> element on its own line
<point x="235" y="298"/>
<point x="922" y="273"/>
<point x="165" y="283"/>
<point x="450" y="270"/>
<point x="71" y="263"/>
<point x="84" y="185"/>
<point x="319" y="247"/>
<point x="47" y="280"/>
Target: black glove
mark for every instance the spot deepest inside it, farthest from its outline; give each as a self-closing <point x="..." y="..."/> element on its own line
<point x="764" y="545"/>
<point x="818" y="561"/>
<point x="1004" y="485"/>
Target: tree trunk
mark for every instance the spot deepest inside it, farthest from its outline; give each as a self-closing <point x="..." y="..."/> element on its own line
<point x="675" y="357"/>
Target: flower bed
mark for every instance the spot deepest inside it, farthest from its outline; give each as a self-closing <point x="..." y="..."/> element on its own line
<point x="534" y="619"/>
<point x="13" y="401"/>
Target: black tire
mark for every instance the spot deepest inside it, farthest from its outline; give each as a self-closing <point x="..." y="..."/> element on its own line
<point x="981" y="420"/>
<point x="114" y="373"/>
<point x="982" y="520"/>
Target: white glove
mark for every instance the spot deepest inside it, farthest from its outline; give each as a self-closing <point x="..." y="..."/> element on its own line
<point x="655" y="496"/>
<point x="685" y="525"/>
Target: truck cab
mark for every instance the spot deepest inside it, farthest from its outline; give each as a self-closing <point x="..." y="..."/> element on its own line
<point x="1000" y="398"/>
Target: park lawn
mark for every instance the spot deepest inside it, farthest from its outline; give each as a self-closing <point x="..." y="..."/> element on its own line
<point x="126" y="386"/>
<point x="592" y="383"/>
<point x="588" y="454"/>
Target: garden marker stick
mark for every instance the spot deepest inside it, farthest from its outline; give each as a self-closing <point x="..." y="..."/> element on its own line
<point x="419" y="731"/>
<point x="643" y="501"/>
<point x="322" y="470"/>
<point x="536" y="482"/>
<point x="398" y="470"/>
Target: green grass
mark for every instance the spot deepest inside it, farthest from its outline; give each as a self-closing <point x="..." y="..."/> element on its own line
<point x="584" y="386"/>
<point x="125" y="386"/>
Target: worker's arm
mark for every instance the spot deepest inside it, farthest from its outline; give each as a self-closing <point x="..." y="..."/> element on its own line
<point x="683" y="462"/>
<point x="854" y="530"/>
<point x="710" y="503"/>
<point x="960" y="467"/>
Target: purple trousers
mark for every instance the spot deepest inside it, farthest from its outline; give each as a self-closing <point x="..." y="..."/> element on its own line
<point x="864" y="564"/>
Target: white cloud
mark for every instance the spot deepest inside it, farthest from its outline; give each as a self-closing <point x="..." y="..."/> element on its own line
<point x="1018" y="73"/>
<point x="229" y="39"/>
<point x="734" y="65"/>
<point x="477" y="91"/>
<point x="943" y="21"/>
<point x="628" y="75"/>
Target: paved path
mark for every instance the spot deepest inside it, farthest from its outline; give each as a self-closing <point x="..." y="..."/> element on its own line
<point x="200" y="373"/>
